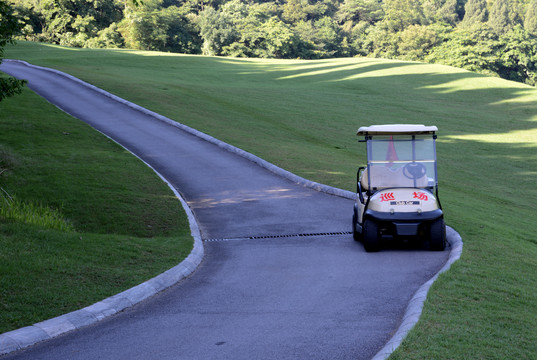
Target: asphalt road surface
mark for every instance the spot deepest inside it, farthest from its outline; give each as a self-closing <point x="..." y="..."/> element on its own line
<point x="282" y="277"/>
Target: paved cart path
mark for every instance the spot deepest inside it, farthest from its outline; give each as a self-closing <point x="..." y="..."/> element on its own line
<point x="271" y="286"/>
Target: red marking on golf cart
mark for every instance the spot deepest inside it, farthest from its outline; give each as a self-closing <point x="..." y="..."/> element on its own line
<point x="387" y="197"/>
<point x="419" y="195"/>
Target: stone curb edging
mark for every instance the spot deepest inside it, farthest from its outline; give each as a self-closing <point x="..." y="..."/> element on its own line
<point x="26" y="336"/>
<point x="29" y="335"/>
<point x="117" y="303"/>
<point x="415" y="306"/>
<point x="21" y="338"/>
<point x="263" y="163"/>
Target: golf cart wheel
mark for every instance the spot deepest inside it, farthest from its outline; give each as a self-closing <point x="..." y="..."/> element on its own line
<point x="370" y="232"/>
<point x="355" y="234"/>
<point x="438" y="235"/>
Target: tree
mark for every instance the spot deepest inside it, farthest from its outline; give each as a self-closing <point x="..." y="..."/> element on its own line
<point x="380" y="41"/>
<point x="29" y="11"/>
<point x="472" y="49"/>
<point x="517" y="56"/>
<point x="479" y="35"/>
<point x="399" y="14"/>
<point x="328" y="36"/>
<point x="107" y="38"/>
<point x="499" y="19"/>
<point x="74" y="22"/>
<point x="320" y="38"/>
<point x="475" y="13"/>
<point x="441" y="11"/>
<point x="512" y="56"/>
<point x="275" y="39"/>
<point x="9" y="27"/>
<point x="355" y="11"/>
<point x="530" y="18"/>
<point x="416" y="42"/>
<point x="217" y="27"/>
<point x="294" y="11"/>
<point x="152" y="26"/>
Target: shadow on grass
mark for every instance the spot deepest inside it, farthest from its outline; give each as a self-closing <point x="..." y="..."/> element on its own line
<point x="456" y="92"/>
<point x="322" y="102"/>
<point x="464" y="95"/>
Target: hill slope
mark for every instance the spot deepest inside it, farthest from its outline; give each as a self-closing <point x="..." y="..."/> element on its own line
<point x="302" y="116"/>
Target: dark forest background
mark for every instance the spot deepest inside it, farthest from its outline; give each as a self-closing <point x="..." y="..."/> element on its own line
<point x="497" y="37"/>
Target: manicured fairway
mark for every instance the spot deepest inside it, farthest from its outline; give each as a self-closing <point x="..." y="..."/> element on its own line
<point x="303" y="115"/>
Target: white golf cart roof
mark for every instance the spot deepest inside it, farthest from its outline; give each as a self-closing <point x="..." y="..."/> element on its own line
<point x="395" y="129"/>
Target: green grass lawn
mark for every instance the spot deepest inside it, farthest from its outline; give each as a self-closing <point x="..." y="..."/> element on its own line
<point x="303" y="115"/>
<point x="113" y="234"/>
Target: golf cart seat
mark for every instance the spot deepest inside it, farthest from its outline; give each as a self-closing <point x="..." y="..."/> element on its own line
<point x="383" y="177"/>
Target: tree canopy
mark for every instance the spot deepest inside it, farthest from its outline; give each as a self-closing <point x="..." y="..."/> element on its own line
<point x="9" y="26"/>
<point x="491" y="36"/>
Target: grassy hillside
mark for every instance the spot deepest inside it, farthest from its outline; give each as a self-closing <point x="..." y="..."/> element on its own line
<point x="303" y="115"/>
<point x="71" y="234"/>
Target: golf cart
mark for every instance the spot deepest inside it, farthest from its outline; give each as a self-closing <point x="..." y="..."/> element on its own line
<point x="397" y="192"/>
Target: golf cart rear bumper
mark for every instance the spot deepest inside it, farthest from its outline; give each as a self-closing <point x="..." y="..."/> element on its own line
<point x="404" y="224"/>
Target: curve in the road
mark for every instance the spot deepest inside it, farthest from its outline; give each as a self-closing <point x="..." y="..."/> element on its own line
<point x="205" y="201"/>
<point x="21" y="338"/>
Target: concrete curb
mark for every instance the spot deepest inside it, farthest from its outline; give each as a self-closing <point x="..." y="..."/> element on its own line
<point x="30" y="335"/>
<point x="263" y="163"/>
<point x="27" y="336"/>
<point x="415" y="307"/>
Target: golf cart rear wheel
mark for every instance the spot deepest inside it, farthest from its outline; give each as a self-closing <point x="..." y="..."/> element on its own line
<point x="437" y="235"/>
<point x="355" y="234"/>
<point x="370" y="232"/>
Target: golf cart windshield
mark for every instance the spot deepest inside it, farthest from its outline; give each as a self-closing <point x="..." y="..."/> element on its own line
<point x="400" y="160"/>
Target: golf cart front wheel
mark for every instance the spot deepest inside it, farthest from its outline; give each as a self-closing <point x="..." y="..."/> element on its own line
<point x="370" y="233"/>
<point x="438" y="235"/>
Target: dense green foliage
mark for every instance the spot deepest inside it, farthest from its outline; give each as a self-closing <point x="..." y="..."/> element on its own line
<point x="9" y="26"/>
<point x="494" y="37"/>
